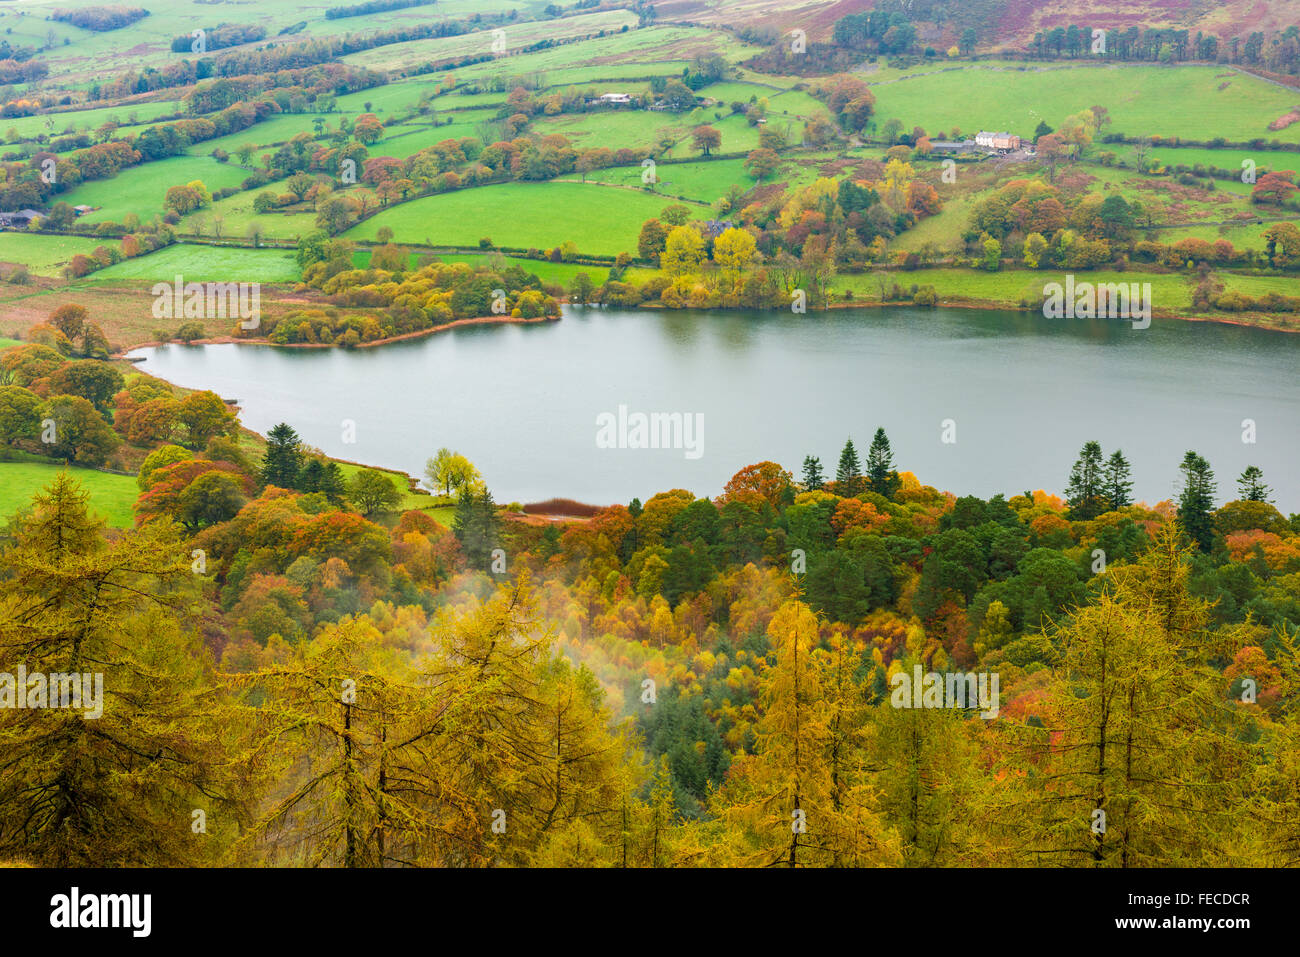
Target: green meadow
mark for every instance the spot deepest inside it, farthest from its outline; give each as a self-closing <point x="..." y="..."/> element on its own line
<point x="45" y="255"/>
<point x="111" y="496"/>
<point x="1168" y="291"/>
<point x="200" y="263"/>
<point x="706" y="180"/>
<point x="1142" y="100"/>
<point x="403" y="56"/>
<point x="142" y="189"/>
<point x="602" y="220"/>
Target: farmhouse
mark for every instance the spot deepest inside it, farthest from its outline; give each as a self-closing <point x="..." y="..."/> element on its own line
<point x="714" y="228"/>
<point x="615" y="99"/>
<point x="997" y="141"/>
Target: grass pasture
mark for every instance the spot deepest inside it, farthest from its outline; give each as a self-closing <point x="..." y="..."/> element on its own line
<point x="200" y="263"/>
<point x="1010" y="286"/>
<point x="142" y="189"/>
<point x="404" y="56"/>
<point x="706" y="180"/>
<point x="111" y="496"/>
<point x="602" y="220"/>
<point x="561" y="274"/>
<point x="1143" y="100"/>
<point x="44" y="255"/>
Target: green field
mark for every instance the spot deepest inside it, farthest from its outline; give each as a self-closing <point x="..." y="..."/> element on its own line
<point x="602" y="220"/>
<point x="658" y="50"/>
<point x="646" y="130"/>
<point x="402" y="140"/>
<point x="146" y="43"/>
<point x="45" y="255"/>
<point x="1259" y="285"/>
<point x="705" y="181"/>
<point x="111" y="496"/>
<point x="141" y="189"/>
<point x="236" y="214"/>
<point x="1168" y="292"/>
<point x="1191" y="155"/>
<point x="561" y="274"/>
<point x="1142" y="100"/>
<point x="403" y="56"/>
<point x="85" y="121"/>
<point x="199" y="263"/>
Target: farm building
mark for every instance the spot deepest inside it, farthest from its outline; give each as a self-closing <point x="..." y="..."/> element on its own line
<point x="18" y="219"/>
<point x="953" y="146"/>
<point x="997" y="141"/>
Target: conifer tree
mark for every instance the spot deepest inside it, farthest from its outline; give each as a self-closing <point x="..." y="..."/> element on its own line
<point x="880" y="465"/>
<point x="1140" y="761"/>
<point x="113" y="774"/>
<point x="1251" y="485"/>
<point x="848" y="476"/>
<point x="1117" y="484"/>
<point x="802" y="799"/>
<point x="1085" y="493"/>
<point x="283" y="459"/>
<point x="330" y="742"/>
<point x="813" y="477"/>
<point x="477" y="526"/>
<point x="1196" y="501"/>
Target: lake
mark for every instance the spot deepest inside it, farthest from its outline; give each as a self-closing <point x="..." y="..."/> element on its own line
<point x="1023" y="393"/>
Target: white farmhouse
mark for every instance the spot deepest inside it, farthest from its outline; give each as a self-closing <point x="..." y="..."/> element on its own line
<point x="997" y="141"/>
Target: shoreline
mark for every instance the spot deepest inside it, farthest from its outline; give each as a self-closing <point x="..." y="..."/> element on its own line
<point x="977" y="305"/>
<point x="124" y="354"/>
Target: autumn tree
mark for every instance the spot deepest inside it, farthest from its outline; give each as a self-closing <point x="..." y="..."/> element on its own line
<point x="1137" y="762"/>
<point x="450" y="471"/>
<point x="109" y="777"/>
<point x="683" y="251"/>
<point x="330" y="743"/>
<point x="804" y="797"/>
<point x="368" y="129"/>
<point x="762" y="163"/>
<point x="706" y="139"/>
<point x="76" y="431"/>
<point x="69" y="318"/>
<point x="203" y="416"/>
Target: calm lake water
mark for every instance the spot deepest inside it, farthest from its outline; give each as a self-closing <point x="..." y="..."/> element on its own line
<point x="523" y="401"/>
